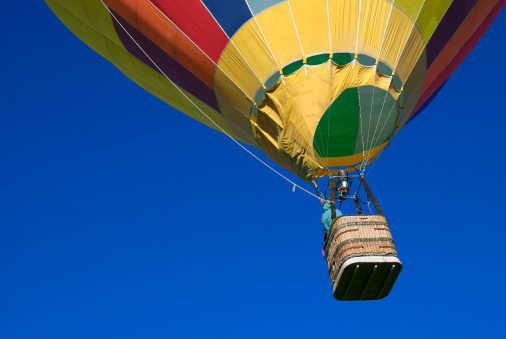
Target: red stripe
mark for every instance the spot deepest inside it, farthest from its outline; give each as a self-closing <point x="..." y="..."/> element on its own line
<point x="461" y="55"/>
<point x="194" y="20"/>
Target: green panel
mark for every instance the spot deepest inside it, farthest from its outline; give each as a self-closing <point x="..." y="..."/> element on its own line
<point x="294" y="66"/>
<point x="318" y="59"/>
<point x="342" y="58"/>
<point x="336" y="133"/>
<point x="378" y="112"/>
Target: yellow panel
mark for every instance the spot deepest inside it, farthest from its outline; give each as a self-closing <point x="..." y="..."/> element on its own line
<point x="343" y="23"/>
<point x="317" y="86"/>
<point x="396" y="37"/>
<point x="373" y="21"/>
<point x="410" y="55"/>
<point x="250" y="42"/>
<point x="236" y="68"/>
<point x="229" y="91"/>
<point x="277" y="26"/>
<point x="100" y="19"/>
<point x="312" y="25"/>
<point x="352" y="159"/>
<point x="429" y="17"/>
<point x="410" y="7"/>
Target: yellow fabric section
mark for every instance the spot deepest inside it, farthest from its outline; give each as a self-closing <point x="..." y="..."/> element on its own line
<point x="233" y="65"/>
<point x="290" y="112"/>
<point x="413" y="89"/>
<point x="410" y="7"/>
<point x="373" y="21"/>
<point x="353" y="159"/>
<point x="343" y="24"/>
<point x="430" y="15"/>
<point x="312" y="25"/>
<point x="250" y="42"/>
<point x="227" y="89"/>
<point x="415" y="46"/>
<point x="396" y="36"/>
<point x="106" y="42"/>
<point x="277" y="25"/>
<point x="283" y="134"/>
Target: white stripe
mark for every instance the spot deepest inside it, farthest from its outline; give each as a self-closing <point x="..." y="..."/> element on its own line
<point x="358" y="24"/>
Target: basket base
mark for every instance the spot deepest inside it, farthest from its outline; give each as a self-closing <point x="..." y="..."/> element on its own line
<point x="366" y="278"/>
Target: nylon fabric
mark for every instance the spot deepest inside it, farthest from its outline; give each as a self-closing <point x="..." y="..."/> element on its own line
<point x="343" y="15"/>
<point x="290" y="113"/>
<point x="152" y="23"/>
<point x="279" y="31"/>
<point x="410" y="7"/>
<point x="133" y="39"/>
<point x="373" y="21"/>
<point x="230" y="14"/>
<point x="258" y="6"/>
<point x="396" y="37"/>
<point x="195" y="21"/>
<point x="461" y="55"/>
<point x="430" y="15"/>
<point x="460" y="38"/>
<point x="312" y="25"/>
<point x="250" y="42"/>
<point x="411" y="56"/>
<point x="237" y="69"/>
<point x="350" y="160"/>
<point x="454" y="17"/>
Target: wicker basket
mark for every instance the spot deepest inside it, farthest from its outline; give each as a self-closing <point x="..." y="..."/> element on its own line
<point x="361" y="257"/>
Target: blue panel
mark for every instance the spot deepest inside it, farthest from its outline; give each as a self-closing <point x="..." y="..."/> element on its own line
<point x="230" y="14"/>
<point x="259" y="5"/>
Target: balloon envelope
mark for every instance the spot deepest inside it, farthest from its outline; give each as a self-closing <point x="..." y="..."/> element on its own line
<point x="314" y="84"/>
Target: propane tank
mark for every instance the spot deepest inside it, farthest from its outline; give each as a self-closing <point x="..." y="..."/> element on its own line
<point x="342" y="184"/>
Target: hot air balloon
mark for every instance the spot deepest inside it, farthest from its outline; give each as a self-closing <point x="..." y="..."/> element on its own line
<point x="319" y="86"/>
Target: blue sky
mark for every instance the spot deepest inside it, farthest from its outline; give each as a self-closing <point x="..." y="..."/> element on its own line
<point x="102" y="236"/>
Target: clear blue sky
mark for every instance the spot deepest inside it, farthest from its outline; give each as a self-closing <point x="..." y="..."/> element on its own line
<point x="101" y="236"/>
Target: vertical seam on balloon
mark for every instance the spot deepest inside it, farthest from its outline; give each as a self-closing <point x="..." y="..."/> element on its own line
<point x="298" y="37"/>
<point x="211" y="14"/>
<point x="265" y="39"/>
<point x="407" y="40"/>
<point x="329" y="97"/>
<point x="358" y="27"/>
<point x="246" y="61"/>
<point x="384" y="35"/>
<point x="331" y="49"/>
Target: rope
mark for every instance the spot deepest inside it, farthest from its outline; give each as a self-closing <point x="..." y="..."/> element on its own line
<point x="200" y="110"/>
